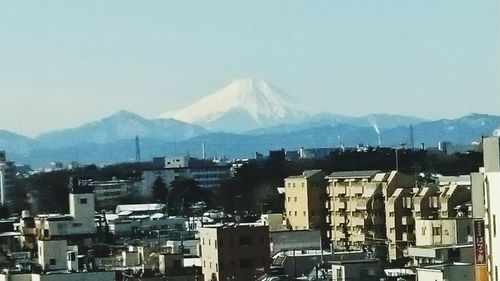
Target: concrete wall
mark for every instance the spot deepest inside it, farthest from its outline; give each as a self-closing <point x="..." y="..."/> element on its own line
<point x="52" y="250"/>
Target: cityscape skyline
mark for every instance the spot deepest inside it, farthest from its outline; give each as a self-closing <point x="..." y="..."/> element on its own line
<point x="85" y="63"/>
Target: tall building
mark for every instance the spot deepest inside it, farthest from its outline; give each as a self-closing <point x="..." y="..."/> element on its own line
<point x="7" y="174"/>
<point x="486" y="204"/>
<point x="357" y="207"/>
<point x="305" y="197"/>
<point x="234" y="252"/>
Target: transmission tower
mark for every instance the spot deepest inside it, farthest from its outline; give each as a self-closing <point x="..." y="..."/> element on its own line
<point x="137" y="150"/>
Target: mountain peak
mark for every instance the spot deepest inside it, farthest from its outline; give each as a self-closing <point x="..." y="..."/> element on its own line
<point x="243" y="104"/>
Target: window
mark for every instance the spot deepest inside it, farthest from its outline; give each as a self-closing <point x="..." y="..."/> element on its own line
<point x="83" y="200"/>
<point x="423" y="230"/>
<point x="215" y="244"/>
<point x="52" y="261"/>
<point x="304" y="212"/>
<point x="293" y="184"/>
<point x="436" y="230"/>
<point x="289" y="213"/>
<point x="303" y="184"/>
<point x="295" y="199"/>
<point x="338" y="274"/>
<point x="288" y="199"/>
<point x="77" y="224"/>
<point x="295" y="213"/>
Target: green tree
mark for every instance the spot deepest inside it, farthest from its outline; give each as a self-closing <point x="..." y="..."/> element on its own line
<point x="160" y="191"/>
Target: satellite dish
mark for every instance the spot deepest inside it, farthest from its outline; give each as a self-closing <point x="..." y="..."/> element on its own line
<point x="496" y="133"/>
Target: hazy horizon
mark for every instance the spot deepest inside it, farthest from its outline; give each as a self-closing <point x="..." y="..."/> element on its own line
<point x="67" y="63"/>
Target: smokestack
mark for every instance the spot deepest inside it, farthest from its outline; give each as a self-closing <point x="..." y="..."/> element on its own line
<point x="203" y="155"/>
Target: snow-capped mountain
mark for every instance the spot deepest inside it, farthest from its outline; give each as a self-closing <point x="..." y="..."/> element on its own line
<point x="243" y="105"/>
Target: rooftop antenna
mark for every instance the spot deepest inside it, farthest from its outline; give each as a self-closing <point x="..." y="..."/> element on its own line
<point x="137" y="150"/>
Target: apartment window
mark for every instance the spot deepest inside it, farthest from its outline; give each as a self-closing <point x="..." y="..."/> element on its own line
<point x="304" y="212"/>
<point x="288" y="199"/>
<point x="204" y="264"/>
<point x="423" y="230"/>
<point x="436" y="230"/>
<point x="52" y="261"/>
<point x="289" y="213"/>
<point x="208" y="242"/>
<point x="83" y="200"/>
<point x="293" y="184"/>
<point x="295" y="199"/>
<point x="303" y="184"/>
<point x="338" y="274"/>
<point x="295" y="213"/>
<point x="203" y="241"/>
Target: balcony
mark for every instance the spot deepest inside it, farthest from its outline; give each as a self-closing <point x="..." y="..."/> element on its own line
<point x="339" y="205"/>
<point x="361" y="204"/>
<point x="407" y="220"/>
<point x="356" y="189"/>
<point x="338" y="190"/>
<point x="358" y="221"/>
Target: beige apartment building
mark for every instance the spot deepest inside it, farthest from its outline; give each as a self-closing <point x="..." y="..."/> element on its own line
<point x="234" y="252"/>
<point x="305" y="197"/>
<point x="357" y="207"/>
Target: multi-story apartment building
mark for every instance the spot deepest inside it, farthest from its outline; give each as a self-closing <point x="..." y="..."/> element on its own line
<point x="486" y="210"/>
<point x="357" y="207"/>
<point x="7" y="174"/>
<point x="234" y="252"/>
<point x="305" y="197"/>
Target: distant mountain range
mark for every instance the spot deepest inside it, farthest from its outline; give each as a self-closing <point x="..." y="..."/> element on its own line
<point x="242" y="118"/>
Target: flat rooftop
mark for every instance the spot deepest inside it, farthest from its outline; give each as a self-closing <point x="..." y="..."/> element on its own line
<point x="353" y="174"/>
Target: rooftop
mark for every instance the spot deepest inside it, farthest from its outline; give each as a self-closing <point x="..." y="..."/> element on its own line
<point x="306" y="174"/>
<point x="353" y="174"/>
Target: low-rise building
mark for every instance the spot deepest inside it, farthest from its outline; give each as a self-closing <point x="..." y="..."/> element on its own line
<point x="234" y="252"/>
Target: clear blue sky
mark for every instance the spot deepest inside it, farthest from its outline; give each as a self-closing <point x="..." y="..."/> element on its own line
<point x="63" y="63"/>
